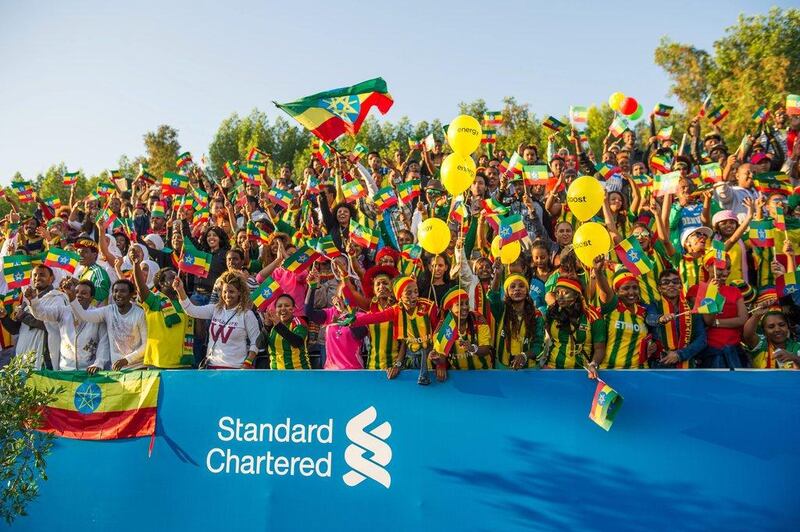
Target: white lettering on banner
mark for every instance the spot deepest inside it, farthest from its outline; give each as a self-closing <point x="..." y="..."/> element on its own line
<point x="222" y="460"/>
<point x="373" y="442"/>
<point x="623" y="326"/>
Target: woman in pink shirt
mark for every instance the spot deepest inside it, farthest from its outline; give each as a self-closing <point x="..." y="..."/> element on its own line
<point x="342" y="342"/>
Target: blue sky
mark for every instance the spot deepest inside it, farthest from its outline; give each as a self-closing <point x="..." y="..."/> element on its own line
<point x="83" y="81"/>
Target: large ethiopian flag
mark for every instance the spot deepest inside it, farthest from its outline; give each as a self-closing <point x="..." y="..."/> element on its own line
<point x="104" y="406"/>
<point x="331" y="114"/>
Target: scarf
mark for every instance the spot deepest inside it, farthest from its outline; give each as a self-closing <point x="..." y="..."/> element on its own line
<point x="164" y="305"/>
<point x="678" y="331"/>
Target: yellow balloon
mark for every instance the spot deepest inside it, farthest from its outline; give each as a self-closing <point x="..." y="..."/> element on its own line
<point x="464" y="134"/>
<point x="458" y="173"/>
<point x="590" y="241"/>
<point x="508" y="253"/>
<point x="615" y="100"/>
<point x="433" y="235"/>
<point x="585" y="197"/>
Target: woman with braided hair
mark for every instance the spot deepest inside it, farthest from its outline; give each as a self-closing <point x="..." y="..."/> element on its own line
<point x="519" y="330"/>
<point x="576" y="332"/>
<point x="472" y="347"/>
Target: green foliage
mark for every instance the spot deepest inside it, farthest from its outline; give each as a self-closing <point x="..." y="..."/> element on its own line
<point x="22" y="450"/>
<point x="756" y="63"/>
<point x="162" y="148"/>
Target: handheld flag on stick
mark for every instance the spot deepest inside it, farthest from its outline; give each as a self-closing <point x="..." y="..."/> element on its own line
<point x="607" y="170"/>
<point x="266" y="293"/>
<point x="618" y="126"/>
<point x="760" y="234"/>
<point x="667" y="183"/>
<point x="536" y="174"/>
<point x="173" y="184"/>
<point x="229" y="169"/>
<point x="761" y="115"/>
<point x="493" y="206"/>
<point x="578" y="115"/>
<point x="780" y="220"/>
<point x="325" y="246"/>
<point x="512" y="229"/>
<point x="660" y="164"/>
<point x="512" y="166"/>
<point x="489" y="136"/>
<point x="719" y="254"/>
<point x="353" y="190"/>
<point x="665" y="133"/>
<point x="605" y="405"/>
<point x="793" y="104"/>
<point x="633" y="257"/>
<point x="409" y="190"/>
<point x="553" y="123"/>
<point x="17" y="270"/>
<point x="385" y="198"/>
<point x="662" y="110"/>
<point x="445" y="335"/>
<point x="358" y="153"/>
<point x="711" y="173"/>
<point x="708" y="299"/>
<point x="718" y="114"/>
<point x="279" y="197"/>
<point x="493" y="118"/>
<point x="331" y="114"/>
<point x="786" y="284"/>
<point x="62" y="259"/>
<point x="300" y="260"/>
<point x="183" y="159"/>
<point x="70" y="178"/>
<point x="194" y="261"/>
<point x="363" y="236"/>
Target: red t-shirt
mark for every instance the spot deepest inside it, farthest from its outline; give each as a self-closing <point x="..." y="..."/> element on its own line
<point x="718" y="337"/>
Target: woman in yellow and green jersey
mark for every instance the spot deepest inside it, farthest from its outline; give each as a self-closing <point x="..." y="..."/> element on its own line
<point x="472" y="348"/>
<point x="519" y="329"/>
<point x="658" y="249"/>
<point x="628" y="342"/>
<point x="377" y="297"/>
<point x="771" y="348"/>
<point x="286" y="340"/>
<point x="694" y="241"/>
<point x="576" y="332"/>
<point x="414" y="319"/>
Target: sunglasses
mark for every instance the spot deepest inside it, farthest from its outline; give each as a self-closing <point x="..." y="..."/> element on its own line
<point x="668" y="282"/>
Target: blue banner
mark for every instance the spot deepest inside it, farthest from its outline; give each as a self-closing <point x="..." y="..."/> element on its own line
<point x="491" y="450"/>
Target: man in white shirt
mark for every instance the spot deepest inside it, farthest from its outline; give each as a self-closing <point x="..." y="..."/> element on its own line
<point x="80" y="341"/>
<point x="35" y="335"/>
<point x="125" y="323"/>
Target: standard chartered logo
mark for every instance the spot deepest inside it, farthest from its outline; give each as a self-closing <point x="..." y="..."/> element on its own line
<point x="372" y="441"/>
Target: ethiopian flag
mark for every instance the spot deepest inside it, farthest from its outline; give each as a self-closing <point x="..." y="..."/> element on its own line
<point x="173" y="184"/>
<point x="331" y="114"/>
<point x="445" y="335"/>
<point x="363" y="236"/>
<point x="265" y="293"/>
<point x="17" y="270"/>
<point x="605" y="405"/>
<point x="105" y="406"/>
<point x="633" y="257"/>
<point x="63" y="259"/>
<point x="194" y="261"/>
<point x="708" y="299"/>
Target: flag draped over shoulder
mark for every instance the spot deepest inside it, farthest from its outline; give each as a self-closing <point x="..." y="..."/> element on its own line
<point x="331" y="114"/>
<point x="105" y="406"/>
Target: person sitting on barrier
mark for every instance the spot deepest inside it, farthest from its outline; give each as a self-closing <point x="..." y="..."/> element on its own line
<point x="628" y="342"/>
<point x="342" y="343"/>
<point x="384" y="348"/>
<point x="519" y="329"/>
<point x="472" y="348"/>
<point x="286" y="336"/>
<point x="414" y="319"/>
<point x="575" y="332"/>
<point x="679" y="333"/>
<point x="233" y="329"/>
<point x="767" y="341"/>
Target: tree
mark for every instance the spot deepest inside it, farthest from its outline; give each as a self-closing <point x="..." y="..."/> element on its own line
<point x="162" y="148"/>
<point x="756" y="63"/>
<point x="22" y="449"/>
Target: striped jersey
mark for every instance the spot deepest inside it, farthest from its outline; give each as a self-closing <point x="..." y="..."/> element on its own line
<point x="521" y="341"/>
<point x="690" y="270"/>
<point x="284" y="355"/>
<point x="383" y="347"/>
<point x="478" y="335"/>
<point x="648" y="283"/>
<point x="762" y="356"/>
<point x="571" y="349"/>
<point x="625" y="340"/>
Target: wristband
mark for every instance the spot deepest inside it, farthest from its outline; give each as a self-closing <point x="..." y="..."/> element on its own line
<point x="247" y="363"/>
<point x="398" y="364"/>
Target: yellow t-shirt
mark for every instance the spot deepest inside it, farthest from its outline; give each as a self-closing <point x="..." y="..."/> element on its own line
<point x="167" y="347"/>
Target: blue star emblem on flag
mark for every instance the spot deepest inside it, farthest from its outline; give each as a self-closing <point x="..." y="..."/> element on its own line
<point x="63" y="260"/>
<point x="762" y="234"/>
<point x="633" y="256"/>
<point x="505" y="231"/>
<point x="188" y="259"/>
<point x="87" y="397"/>
<point x="266" y="293"/>
<point x="448" y="332"/>
<point x="601" y="399"/>
<point x="18" y="276"/>
<point x="345" y="107"/>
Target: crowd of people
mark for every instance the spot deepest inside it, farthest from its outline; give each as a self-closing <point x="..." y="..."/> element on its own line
<point x="291" y="281"/>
